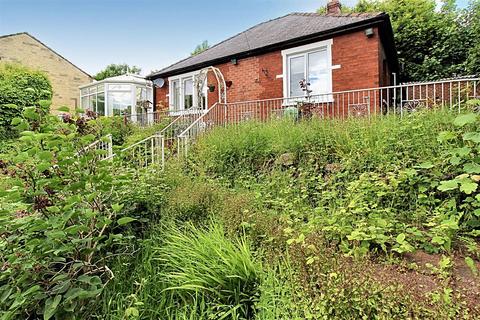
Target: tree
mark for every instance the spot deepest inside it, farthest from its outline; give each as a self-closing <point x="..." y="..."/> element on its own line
<point x="472" y="19"/>
<point x="200" y="48"/>
<point x="113" y="70"/>
<point x="432" y="42"/>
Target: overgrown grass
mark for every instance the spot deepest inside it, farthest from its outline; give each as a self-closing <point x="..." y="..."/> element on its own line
<point x="310" y="212"/>
<point x="364" y="144"/>
<point x="368" y="184"/>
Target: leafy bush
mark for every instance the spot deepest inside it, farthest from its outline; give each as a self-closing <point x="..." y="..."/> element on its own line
<point x="457" y="174"/>
<point x="327" y="291"/>
<point x="368" y="185"/>
<point x="59" y="220"/>
<point x="145" y="199"/>
<point x="20" y="88"/>
<point x="116" y="126"/>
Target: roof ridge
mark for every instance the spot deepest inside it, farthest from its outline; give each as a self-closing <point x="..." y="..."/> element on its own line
<point x="43" y="44"/>
<point x="349" y="14"/>
<point x="13" y="34"/>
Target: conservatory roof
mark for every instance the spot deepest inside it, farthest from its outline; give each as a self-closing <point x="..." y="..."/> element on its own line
<point x="124" y="78"/>
<point x="288" y="31"/>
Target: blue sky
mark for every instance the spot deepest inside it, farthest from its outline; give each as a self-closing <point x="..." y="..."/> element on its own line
<point x="149" y="33"/>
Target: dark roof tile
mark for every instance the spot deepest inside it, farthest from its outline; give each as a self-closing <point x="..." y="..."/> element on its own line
<point x="275" y="31"/>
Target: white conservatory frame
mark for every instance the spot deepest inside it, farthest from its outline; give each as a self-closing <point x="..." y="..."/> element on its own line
<point x="99" y="96"/>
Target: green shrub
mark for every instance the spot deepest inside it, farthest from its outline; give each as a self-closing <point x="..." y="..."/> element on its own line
<point x="116" y="126"/>
<point x="59" y="219"/>
<point x="361" y="144"/>
<point x="367" y="184"/>
<point x="19" y="88"/>
<point x="145" y="199"/>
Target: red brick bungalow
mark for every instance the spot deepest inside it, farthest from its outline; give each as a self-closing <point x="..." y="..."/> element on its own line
<point x="333" y="51"/>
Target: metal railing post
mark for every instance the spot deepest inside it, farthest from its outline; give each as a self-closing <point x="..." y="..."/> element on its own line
<point x="163" y="152"/>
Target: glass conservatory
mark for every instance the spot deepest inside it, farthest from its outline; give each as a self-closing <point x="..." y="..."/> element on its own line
<point x="126" y="95"/>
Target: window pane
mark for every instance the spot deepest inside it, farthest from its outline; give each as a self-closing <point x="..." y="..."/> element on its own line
<point x="93" y="103"/>
<point x="297" y="74"/>
<point x="84" y="91"/>
<point x="100" y="88"/>
<point x="141" y="97"/>
<point x="188" y="93"/>
<point x="84" y="103"/>
<point x="141" y="92"/>
<point x="101" y="104"/>
<point x="317" y="72"/>
<point x="120" y="103"/>
<point x="175" y="94"/>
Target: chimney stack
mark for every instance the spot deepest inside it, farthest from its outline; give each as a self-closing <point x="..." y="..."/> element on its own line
<point x="334" y="7"/>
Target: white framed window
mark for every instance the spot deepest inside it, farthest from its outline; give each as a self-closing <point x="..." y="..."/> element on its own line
<point x="312" y="62"/>
<point x="183" y="92"/>
<point x="175" y="94"/>
<point x="93" y="99"/>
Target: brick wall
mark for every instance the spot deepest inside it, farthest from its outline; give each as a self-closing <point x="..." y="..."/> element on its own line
<point x="358" y="59"/>
<point x="252" y="78"/>
<point x="64" y="77"/>
<point x="161" y="97"/>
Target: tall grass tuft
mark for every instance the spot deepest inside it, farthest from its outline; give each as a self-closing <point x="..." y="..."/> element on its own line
<point x="185" y="273"/>
<point x="205" y="266"/>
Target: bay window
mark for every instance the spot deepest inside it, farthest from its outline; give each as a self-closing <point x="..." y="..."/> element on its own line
<point x="312" y="62"/>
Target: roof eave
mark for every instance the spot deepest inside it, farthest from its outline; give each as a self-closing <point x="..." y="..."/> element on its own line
<point x="381" y="18"/>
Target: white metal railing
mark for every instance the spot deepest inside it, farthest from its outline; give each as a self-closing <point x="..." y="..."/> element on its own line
<point x="146" y="119"/>
<point x="369" y="102"/>
<point x="184" y="128"/>
<point x="169" y="134"/>
<point x="142" y="153"/>
<point x="102" y="148"/>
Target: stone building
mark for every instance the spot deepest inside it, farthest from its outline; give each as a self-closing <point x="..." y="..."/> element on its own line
<point x="64" y="76"/>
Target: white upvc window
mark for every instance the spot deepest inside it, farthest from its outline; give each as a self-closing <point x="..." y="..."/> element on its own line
<point x="183" y="92"/>
<point x="93" y="98"/>
<point x="312" y="62"/>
